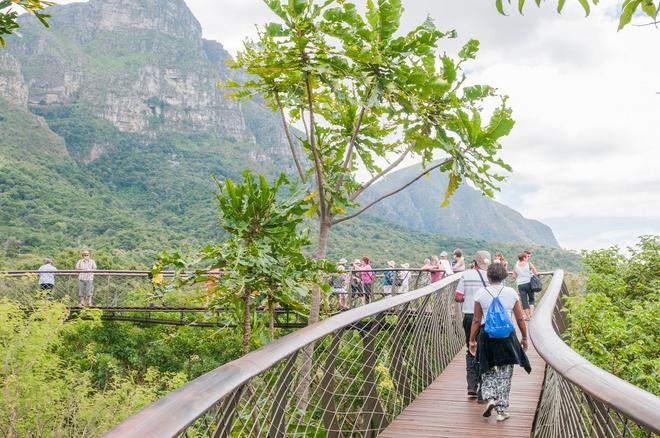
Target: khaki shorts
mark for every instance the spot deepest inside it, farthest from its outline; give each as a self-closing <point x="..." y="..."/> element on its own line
<point x="85" y="288"/>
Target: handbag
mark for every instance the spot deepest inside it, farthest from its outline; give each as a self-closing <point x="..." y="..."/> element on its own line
<point x="536" y="283"/>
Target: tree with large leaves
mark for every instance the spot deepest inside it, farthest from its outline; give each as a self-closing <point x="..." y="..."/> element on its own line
<point x="262" y="262"/>
<point x="369" y="96"/>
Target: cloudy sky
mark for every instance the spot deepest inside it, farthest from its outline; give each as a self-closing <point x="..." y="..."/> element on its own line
<point x="586" y="99"/>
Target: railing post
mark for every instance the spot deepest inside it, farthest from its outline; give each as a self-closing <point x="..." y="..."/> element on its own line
<point x="276" y="413"/>
<point x="226" y="420"/>
<point x="398" y="351"/>
<point x="327" y="400"/>
<point x="372" y="411"/>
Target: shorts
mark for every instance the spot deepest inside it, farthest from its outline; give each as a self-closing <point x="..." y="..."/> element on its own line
<point x="526" y="295"/>
<point x="46" y="286"/>
<point x="85" y="288"/>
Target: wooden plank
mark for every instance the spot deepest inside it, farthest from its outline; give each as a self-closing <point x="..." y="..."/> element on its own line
<point x="443" y="409"/>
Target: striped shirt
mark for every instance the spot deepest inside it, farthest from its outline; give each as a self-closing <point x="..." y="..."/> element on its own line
<point x="468" y="285"/>
<point x="85" y="265"/>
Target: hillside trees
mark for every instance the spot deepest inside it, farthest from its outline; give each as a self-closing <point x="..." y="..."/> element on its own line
<point x="614" y="324"/>
<point x="362" y="92"/>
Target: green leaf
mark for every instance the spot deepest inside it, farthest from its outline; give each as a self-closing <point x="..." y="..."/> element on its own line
<point x="585" y="6"/>
<point x="627" y="13"/>
<point x="469" y="50"/>
<point x="560" y="5"/>
<point x="500" y="8"/>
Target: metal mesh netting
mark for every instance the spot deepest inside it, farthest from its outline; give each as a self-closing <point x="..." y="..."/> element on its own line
<point x="565" y="410"/>
<point x="362" y="377"/>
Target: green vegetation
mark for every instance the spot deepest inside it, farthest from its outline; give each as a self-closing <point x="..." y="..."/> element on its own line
<point x="365" y="91"/>
<point x="262" y="260"/>
<point x="615" y="323"/>
<point x="9" y="15"/>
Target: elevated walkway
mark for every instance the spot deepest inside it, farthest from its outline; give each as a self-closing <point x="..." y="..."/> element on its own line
<point x="443" y="410"/>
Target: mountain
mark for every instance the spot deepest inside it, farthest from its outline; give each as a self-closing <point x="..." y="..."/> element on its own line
<point x="112" y="128"/>
<point x="469" y="213"/>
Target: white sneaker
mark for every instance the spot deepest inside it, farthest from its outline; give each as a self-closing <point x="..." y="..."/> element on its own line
<point x="503" y="416"/>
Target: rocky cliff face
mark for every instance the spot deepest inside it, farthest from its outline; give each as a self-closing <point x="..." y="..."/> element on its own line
<point x="12" y="85"/>
<point x="141" y="65"/>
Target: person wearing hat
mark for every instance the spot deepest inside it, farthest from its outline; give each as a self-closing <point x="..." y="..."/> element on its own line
<point x="404" y="278"/>
<point x="46" y="276"/>
<point x="389" y="278"/>
<point x="86" y="279"/>
<point x="471" y="281"/>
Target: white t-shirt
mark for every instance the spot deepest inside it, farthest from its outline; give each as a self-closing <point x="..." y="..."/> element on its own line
<point x="508" y="298"/>
<point x="468" y="285"/>
<point x="446" y="266"/>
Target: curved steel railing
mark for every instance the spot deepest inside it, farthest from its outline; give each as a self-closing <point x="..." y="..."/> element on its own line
<point x="367" y="364"/>
<point x="579" y="399"/>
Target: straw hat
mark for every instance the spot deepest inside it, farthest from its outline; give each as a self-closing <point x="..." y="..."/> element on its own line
<point x="391" y="263"/>
<point x="342" y="261"/>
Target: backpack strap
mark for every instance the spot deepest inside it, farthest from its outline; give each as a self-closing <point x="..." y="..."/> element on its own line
<point x="481" y="276"/>
<point x="498" y="292"/>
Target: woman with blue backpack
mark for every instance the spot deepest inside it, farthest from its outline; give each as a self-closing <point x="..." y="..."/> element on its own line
<point x="493" y="340"/>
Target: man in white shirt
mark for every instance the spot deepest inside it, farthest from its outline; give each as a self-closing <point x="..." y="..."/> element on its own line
<point x="469" y="284"/>
<point x="85" y="279"/>
<point x="46" y="276"/>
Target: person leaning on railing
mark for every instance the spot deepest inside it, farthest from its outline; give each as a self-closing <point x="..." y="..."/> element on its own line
<point x="495" y="354"/>
<point x="86" y="279"/>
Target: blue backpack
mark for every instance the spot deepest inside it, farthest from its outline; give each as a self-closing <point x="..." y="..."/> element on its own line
<point x="498" y="323"/>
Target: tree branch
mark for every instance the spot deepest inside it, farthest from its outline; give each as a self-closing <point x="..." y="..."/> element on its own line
<point x="383" y="172"/>
<point x="288" y="137"/>
<point x="351" y="144"/>
<point x="315" y="152"/>
<point x="387" y="195"/>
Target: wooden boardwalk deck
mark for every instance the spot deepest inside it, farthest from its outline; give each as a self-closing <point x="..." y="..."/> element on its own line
<point x="443" y="410"/>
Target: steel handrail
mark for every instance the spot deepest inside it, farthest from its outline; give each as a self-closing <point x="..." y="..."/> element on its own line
<point x="177" y="410"/>
<point x="636" y="404"/>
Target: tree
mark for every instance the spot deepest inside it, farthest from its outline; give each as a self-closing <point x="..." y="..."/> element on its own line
<point x="362" y="92"/>
<point x="262" y="261"/>
<point x="9" y="14"/>
<point x="628" y="8"/>
<point x="614" y="322"/>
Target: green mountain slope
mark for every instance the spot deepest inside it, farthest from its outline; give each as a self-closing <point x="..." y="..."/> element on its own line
<point x="112" y="129"/>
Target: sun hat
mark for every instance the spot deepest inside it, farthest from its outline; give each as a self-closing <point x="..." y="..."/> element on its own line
<point x="342" y="261"/>
<point x="391" y="263"/>
<point x="483" y="259"/>
<point x="443" y="254"/>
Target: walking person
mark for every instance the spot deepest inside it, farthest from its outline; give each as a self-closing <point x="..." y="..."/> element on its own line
<point x="472" y="281"/>
<point x="356" y="285"/>
<point x="47" y="278"/>
<point x="459" y="263"/>
<point x="523" y="272"/>
<point x="86" y="279"/>
<point x="404" y="278"/>
<point x="339" y="283"/>
<point x="496" y="351"/>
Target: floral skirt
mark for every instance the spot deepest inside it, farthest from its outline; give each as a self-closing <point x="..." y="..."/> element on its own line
<point x="496" y="386"/>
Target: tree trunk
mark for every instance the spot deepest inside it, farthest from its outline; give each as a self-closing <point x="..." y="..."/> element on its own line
<point x="302" y="393"/>
<point x="246" y="323"/>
